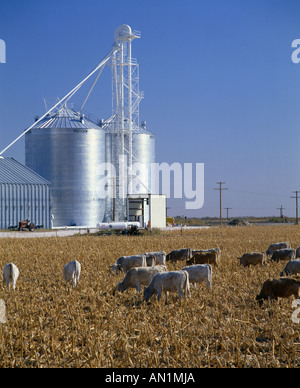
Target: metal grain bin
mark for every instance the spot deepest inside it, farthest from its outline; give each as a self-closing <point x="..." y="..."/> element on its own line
<point x="66" y="149"/>
<point x="143" y="149"/>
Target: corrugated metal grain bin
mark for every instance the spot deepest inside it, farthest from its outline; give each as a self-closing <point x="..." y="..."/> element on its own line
<point x="23" y="195"/>
<point x="66" y="149"/>
<point x="143" y="149"/>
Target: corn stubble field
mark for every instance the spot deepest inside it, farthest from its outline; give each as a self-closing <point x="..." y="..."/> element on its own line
<point x="50" y="325"/>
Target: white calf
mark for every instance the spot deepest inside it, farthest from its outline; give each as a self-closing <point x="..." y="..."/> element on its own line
<point x="138" y="276"/>
<point x="174" y="281"/>
<point x="10" y="275"/>
<point x="199" y="273"/>
<point x="71" y="272"/>
<point x="291" y="268"/>
<point x="160" y="258"/>
<point x="125" y="263"/>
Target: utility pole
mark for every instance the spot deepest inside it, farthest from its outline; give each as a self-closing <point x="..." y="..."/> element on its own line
<point x="296" y="197"/>
<point x="220" y="189"/>
<point x="228" y="208"/>
<point x="281" y="211"/>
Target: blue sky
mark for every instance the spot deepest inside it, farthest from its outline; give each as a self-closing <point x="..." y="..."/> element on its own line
<point x="220" y="87"/>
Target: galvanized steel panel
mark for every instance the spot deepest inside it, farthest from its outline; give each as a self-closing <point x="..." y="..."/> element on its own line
<point x="23" y="195"/>
<point x="65" y="118"/>
<point x="68" y="158"/>
<point x="24" y="201"/>
<point x="11" y="171"/>
<point x="143" y="147"/>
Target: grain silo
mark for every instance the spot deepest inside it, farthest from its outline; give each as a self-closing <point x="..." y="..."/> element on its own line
<point x="143" y="155"/>
<point x="143" y="149"/>
<point x="23" y="195"/>
<point x="66" y="149"/>
<point x="129" y="146"/>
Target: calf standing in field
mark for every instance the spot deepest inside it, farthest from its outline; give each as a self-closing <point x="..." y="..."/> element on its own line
<point x="71" y="272"/>
<point x="179" y="255"/>
<point x="159" y="258"/>
<point x="253" y="259"/>
<point x="204" y="257"/>
<point x="279" y="288"/>
<point x="125" y="263"/>
<point x="217" y="249"/>
<point x="284" y="254"/>
<point x="174" y="281"/>
<point x="10" y="275"/>
<point x="199" y="273"/>
<point x="136" y="277"/>
<point x="275" y="247"/>
<point x="291" y="268"/>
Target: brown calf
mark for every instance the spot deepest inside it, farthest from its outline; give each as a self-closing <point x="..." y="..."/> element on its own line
<point x="279" y="288"/>
<point x="211" y="257"/>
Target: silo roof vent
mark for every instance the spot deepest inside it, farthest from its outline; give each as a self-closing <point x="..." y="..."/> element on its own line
<point x="66" y="118"/>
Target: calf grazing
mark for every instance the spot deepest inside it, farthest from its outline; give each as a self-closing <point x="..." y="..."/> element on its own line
<point x="275" y="247"/>
<point x="174" y="281"/>
<point x="159" y="258"/>
<point x="179" y="255"/>
<point x="253" y="259"/>
<point x="136" y="277"/>
<point x="291" y="268"/>
<point x="71" y="272"/>
<point x="204" y="257"/>
<point x="279" y="288"/>
<point x="10" y="275"/>
<point x="217" y="249"/>
<point x="284" y="254"/>
<point x="125" y="263"/>
<point x="199" y="273"/>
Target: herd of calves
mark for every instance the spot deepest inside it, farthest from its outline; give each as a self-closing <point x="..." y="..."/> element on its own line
<point x="149" y="270"/>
